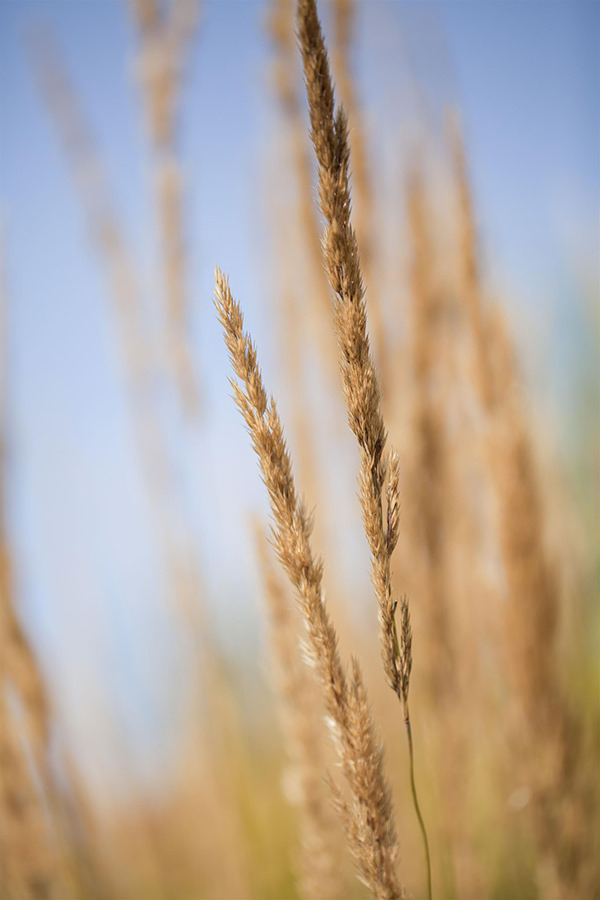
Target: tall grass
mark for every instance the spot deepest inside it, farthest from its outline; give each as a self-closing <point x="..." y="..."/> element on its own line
<point x="295" y="796"/>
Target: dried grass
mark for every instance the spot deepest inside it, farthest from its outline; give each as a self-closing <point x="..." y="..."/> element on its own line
<point x="368" y="815"/>
<point x="320" y="870"/>
<point x="506" y="744"/>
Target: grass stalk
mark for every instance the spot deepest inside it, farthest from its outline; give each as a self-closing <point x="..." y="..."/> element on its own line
<point x="367" y="815"/>
<point x="379" y="472"/>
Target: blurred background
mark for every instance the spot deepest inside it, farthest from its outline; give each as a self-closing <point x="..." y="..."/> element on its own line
<point x="141" y="145"/>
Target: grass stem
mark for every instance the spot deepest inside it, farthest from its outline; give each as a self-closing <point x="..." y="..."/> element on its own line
<point x="413" y="787"/>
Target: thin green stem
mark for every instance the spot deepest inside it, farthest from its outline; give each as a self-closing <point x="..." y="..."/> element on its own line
<point x="413" y="788"/>
<point x="411" y="756"/>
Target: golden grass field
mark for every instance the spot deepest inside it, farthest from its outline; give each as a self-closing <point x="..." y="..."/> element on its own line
<point x="422" y="718"/>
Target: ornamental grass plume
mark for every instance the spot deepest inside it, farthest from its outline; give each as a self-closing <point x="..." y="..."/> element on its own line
<point x="304" y="735"/>
<point x="281" y="32"/>
<point x="379" y="473"/>
<point x="440" y="525"/>
<point x="430" y="476"/>
<point x="344" y="27"/>
<point x="367" y="814"/>
<point x="544" y="730"/>
<point x="27" y="851"/>
<point x="165" y="34"/>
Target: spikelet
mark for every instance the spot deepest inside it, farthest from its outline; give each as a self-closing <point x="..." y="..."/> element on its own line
<point x="361" y="387"/>
<point x="368" y="813"/>
<point x="329" y="133"/>
<point x="281" y="29"/>
<point x="27" y="856"/>
<point x="344" y="17"/>
<point x="304" y="734"/>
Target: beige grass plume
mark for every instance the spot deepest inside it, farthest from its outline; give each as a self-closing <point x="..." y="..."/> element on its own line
<point x="368" y="813"/>
<point x="533" y="591"/>
<point x="378" y="492"/>
<point x="361" y="387"/>
<point x="545" y="729"/>
<point x="165" y="36"/>
<point x="544" y="724"/>
<point x="429" y="481"/>
<point x="304" y="734"/>
<point x="443" y="556"/>
<point x="281" y="31"/>
<point x="28" y="866"/>
<point x="344" y="27"/>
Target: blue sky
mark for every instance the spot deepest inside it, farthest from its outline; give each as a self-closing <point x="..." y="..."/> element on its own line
<point x="526" y="77"/>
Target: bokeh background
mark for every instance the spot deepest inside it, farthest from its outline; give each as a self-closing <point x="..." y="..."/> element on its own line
<point x="90" y="585"/>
